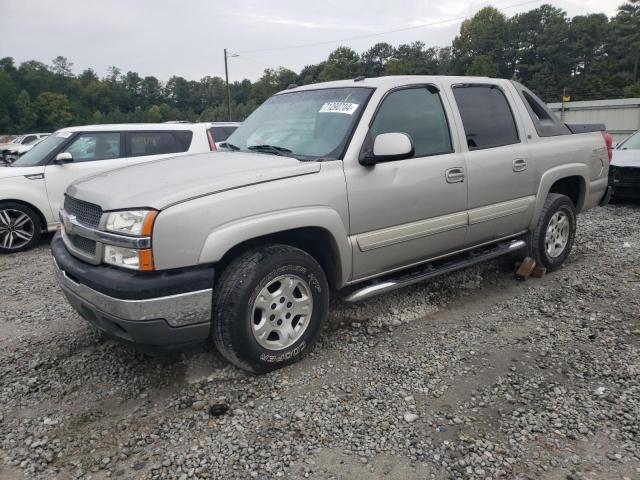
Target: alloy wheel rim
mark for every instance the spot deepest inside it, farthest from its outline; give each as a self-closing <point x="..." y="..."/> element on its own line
<point x="16" y="229"/>
<point x="281" y="312"/>
<point x="557" y="235"/>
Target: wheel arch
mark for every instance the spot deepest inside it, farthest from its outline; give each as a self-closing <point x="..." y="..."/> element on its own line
<point x="41" y="217"/>
<point x="570" y="180"/>
<point x="318" y="231"/>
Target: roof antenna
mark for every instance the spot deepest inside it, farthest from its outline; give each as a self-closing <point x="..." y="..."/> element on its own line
<point x="359" y="78"/>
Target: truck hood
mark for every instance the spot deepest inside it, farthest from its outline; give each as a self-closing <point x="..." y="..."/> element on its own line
<point x="161" y="183"/>
<point x="626" y="158"/>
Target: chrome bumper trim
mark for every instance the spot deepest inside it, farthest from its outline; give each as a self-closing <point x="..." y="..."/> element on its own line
<point x="178" y="310"/>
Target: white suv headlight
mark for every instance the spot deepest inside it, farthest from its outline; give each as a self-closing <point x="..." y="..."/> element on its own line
<point x="131" y="222"/>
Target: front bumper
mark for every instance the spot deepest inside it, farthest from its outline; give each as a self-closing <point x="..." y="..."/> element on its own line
<point x="625" y="181"/>
<point x="154" y="311"/>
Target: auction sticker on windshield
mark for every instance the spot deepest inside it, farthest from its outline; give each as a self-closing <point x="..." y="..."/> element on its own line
<point x="339" y="107"/>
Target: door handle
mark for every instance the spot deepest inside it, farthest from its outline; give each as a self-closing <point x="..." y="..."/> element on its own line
<point x="454" y="175"/>
<point x="519" y="164"/>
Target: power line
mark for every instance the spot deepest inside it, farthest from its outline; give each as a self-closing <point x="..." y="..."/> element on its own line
<point x="369" y="35"/>
<point x="244" y="57"/>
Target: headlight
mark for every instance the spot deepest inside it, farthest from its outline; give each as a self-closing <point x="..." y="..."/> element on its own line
<point x="131" y="222"/>
<point x="128" y="258"/>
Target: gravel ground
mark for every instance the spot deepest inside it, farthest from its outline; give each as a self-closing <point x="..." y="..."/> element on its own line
<point x="471" y="376"/>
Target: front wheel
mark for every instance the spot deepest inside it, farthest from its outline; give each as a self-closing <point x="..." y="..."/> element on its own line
<point x="269" y="307"/>
<point x="20" y="227"/>
<point x="551" y="241"/>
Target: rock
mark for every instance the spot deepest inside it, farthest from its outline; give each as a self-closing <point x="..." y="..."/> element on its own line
<point x="410" y="417"/>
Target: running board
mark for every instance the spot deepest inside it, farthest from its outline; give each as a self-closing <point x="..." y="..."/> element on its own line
<point x="435" y="269"/>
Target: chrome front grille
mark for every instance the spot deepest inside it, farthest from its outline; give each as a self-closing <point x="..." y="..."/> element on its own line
<point x="85" y="212"/>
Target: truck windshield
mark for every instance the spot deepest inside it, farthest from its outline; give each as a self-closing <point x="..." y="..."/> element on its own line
<point x="631" y="143"/>
<point x="41" y="151"/>
<point x="308" y="125"/>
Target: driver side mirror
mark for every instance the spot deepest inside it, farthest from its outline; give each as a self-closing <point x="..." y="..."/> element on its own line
<point x="62" y="158"/>
<point x="388" y="147"/>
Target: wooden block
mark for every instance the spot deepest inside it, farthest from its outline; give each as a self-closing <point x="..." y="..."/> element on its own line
<point x="538" y="272"/>
<point x="525" y="269"/>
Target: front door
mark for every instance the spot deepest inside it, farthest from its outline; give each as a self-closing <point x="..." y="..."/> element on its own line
<point x="406" y="211"/>
<point x="92" y="153"/>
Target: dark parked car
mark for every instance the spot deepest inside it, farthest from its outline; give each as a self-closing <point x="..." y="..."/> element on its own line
<point x="624" y="172"/>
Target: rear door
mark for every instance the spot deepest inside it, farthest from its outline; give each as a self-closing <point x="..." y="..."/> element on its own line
<point x="145" y="146"/>
<point x="93" y="152"/>
<point x="501" y="177"/>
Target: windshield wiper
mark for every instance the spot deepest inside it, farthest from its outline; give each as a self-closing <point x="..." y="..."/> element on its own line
<point x="230" y="146"/>
<point x="270" y="149"/>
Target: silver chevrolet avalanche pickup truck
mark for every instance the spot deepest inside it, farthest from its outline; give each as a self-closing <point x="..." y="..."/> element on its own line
<point x="356" y="187"/>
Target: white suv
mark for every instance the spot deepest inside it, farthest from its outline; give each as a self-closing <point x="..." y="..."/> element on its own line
<point x="32" y="188"/>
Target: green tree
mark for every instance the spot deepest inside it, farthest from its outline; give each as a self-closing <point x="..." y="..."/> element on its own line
<point x="272" y="81"/>
<point x="311" y="73"/>
<point x="53" y="110"/>
<point x="26" y="114"/>
<point x="374" y="60"/>
<point x="413" y="59"/>
<point x="342" y="63"/>
<point x="542" y="58"/>
<point x="483" y="34"/>
<point x="632" y="90"/>
<point x="7" y="101"/>
<point x="483" y="66"/>
<point x="62" y="66"/>
<point x="625" y="37"/>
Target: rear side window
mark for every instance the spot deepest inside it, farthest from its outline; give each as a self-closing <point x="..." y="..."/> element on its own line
<point x="159" y="143"/>
<point x="419" y="113"/>
<point x="486" y="116"/>
<point x="29" y="139"/>
<point x="220" y="134"/>
<point x="545" y="122"/>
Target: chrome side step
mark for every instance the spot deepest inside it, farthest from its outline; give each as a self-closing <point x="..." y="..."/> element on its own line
<point x="435" y="269"/>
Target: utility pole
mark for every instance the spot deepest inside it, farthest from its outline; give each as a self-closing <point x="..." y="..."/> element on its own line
<point x="226" y="76"/>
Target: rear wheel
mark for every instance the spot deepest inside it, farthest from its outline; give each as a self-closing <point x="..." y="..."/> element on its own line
<point x="20" y="227"/>
<point x="269" y="307"/>
<point x="551" y="241"/>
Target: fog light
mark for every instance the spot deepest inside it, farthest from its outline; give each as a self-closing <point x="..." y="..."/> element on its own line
<point x="128" y="258"/>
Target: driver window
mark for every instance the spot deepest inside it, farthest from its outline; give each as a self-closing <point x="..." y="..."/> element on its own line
<point x="419" y="113"/>
<point x="95" y="146"/>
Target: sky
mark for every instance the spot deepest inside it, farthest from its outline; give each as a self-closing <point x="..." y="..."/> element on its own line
<point x="187" y="37"/>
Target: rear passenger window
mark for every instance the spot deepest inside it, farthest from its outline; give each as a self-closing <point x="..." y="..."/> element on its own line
<point x="486" y="116"/>
<point x="159" y="143"/>
<point x="419" y="113"/>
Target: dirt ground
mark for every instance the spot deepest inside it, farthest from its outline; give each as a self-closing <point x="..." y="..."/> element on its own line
<point x="473" y="375"/>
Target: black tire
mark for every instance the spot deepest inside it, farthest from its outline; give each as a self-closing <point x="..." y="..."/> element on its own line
<point x="536" y="240"/>
<point x="34" y="227"/>
<point x="233" y="306"/>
